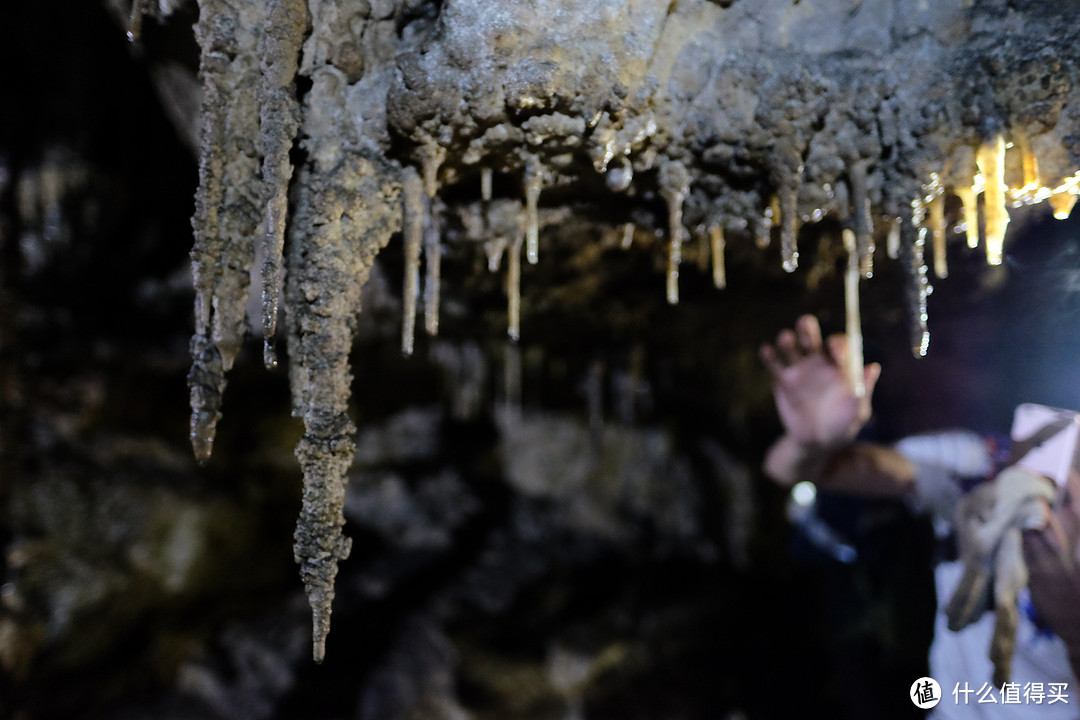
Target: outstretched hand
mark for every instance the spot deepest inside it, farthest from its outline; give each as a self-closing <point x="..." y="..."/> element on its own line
<point x="813" y="396"/>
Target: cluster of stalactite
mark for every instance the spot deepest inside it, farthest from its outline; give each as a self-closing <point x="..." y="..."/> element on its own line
<point x="818" y="147"/>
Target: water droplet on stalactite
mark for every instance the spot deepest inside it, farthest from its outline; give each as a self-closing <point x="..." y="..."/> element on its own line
<point x="485" y="184"/>
<point x="674" y="185"/>
<point x="413" y="215"/>
<point x="913" y="239"/>
<point x="861" y="221"/>
<point x="1062" y="203"/>
<point x="279" y="121"/>
<point x="532" y="182"/>
<point x="432" y="156"/>
<point x="991" y="160"/>
<point x="433" y="261"/>
<point x="789" y="229"/>
<point x="513" y="290"/>
<point x="206" y="383"/>
<point x="854" y="321"/>
<point x="716" y="241"/>
<point x="970" y="203"/>
<point x="936" y="220"/>
<point x="769" y="218"/>
<point x="628" y="236"/>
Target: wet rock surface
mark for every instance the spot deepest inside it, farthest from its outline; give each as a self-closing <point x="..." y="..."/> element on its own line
<point x="570" y="525"/>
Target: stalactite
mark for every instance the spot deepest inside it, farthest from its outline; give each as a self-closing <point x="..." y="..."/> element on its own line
<point x="513" y="289"/>
<point x="892" y="239"/>
<point x="206" y="383"/>
<point x="936" y="219"/>
<point x="1062" y="203"/>
<point x="494" y="249"/>
<point x="716" y="242"/>
<point x="212" y="34"/>
<point x="789" y="224"/>
<point x="485" y="184"/>
<point x="279" y="118"/>
<point x="913" y="240"/>
<point x="432" y="156"/>
<point x="970" y="201"/>
<point x="344" y="216"/>
<point x="991" y="160"/>
<point x="853" y="315"/>
<point x="674" y="185"/>
<point x="433" y="265"/>
<point x="413" y="200"/>
<point x="861" y="220"/>
<point x="226" y="202"/>
<point x="1029" y="171"/>
<point x="619" y="177"/>
<point x="532" y="182"/>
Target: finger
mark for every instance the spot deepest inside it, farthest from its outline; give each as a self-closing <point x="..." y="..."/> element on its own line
<point x="871" y="373"/>
<point x="809" y="334"/>
<point x="838" y="349"/>
<point x="788" y="345"/>
<point x="771" y="360"/>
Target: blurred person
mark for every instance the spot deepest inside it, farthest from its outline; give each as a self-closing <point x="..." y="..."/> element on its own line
<point x="1015" y="528"/>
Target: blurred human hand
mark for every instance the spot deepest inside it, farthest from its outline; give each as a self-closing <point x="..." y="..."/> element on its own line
<point x="1051" y="554"/>
<point x="813" y="396"/>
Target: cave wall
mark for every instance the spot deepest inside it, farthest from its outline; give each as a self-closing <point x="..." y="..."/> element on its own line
<point x="565" y="521"/>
